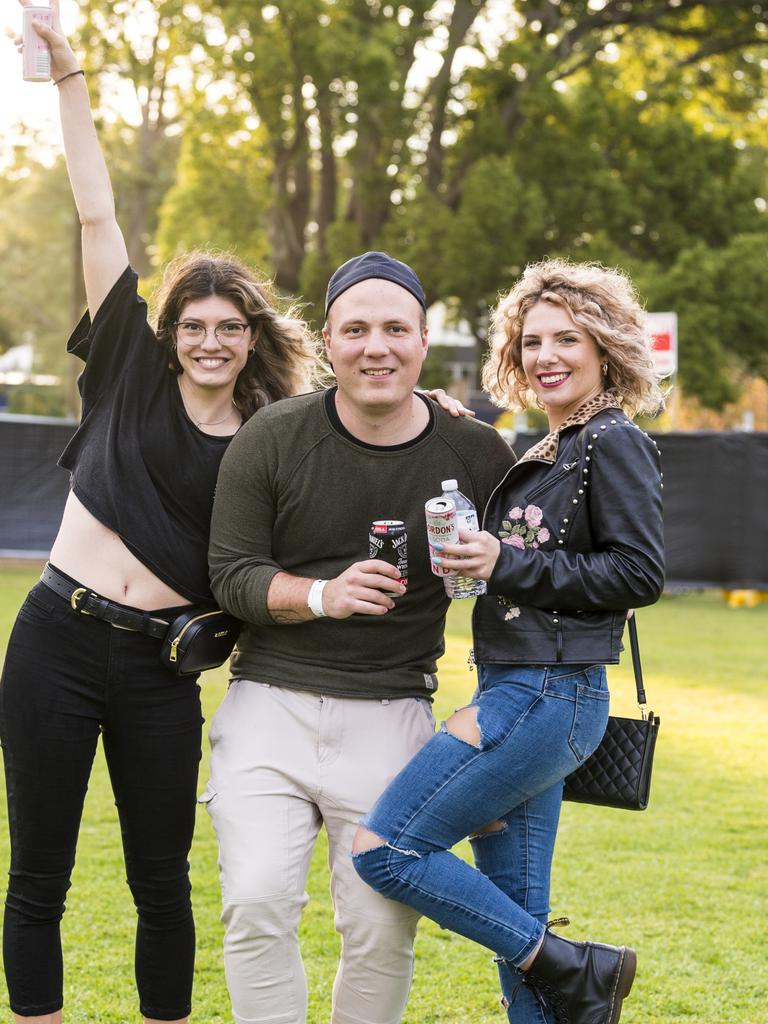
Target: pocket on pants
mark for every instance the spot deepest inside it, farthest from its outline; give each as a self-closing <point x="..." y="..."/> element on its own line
<point x="426" y="707"/>
<point x="208" y="795"/>
<point x="590" y="718"/>
<point x="44" y="608"/>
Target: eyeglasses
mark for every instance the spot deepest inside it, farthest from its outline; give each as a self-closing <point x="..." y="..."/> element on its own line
<point x="229" y="332"/>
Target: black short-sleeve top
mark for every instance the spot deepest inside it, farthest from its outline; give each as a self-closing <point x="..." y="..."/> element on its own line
<point x="137" y="461"/>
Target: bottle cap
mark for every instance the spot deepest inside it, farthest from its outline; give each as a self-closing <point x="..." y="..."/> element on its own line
<point x="450" y="485"/>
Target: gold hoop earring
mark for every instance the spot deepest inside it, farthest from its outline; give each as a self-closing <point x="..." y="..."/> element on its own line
<point x="605" y="369"/>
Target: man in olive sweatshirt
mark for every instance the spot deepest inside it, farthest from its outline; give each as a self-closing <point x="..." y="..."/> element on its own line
<point x="335" y="667"/>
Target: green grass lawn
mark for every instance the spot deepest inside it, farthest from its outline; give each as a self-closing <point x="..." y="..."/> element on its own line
<point x="684" y="882"/>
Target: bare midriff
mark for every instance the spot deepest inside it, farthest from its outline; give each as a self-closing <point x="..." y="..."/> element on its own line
<point x="95" y="556"/>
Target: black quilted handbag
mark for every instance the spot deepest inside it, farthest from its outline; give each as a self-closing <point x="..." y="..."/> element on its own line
<point x="618" y="772"/>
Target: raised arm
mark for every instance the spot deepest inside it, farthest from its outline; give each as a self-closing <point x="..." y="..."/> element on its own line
<point x="104" y="253"/>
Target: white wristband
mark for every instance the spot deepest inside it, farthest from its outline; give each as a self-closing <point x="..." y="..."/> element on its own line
<point x="315" y="598"/>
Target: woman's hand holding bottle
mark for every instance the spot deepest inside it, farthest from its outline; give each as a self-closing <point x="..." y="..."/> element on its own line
<point x="475" y="556"/>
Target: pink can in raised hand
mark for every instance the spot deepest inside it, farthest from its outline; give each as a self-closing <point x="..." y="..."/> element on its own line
<point x="36" y="53"/>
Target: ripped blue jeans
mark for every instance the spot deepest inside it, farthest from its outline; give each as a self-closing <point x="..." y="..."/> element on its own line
<point x="536" y="724"/>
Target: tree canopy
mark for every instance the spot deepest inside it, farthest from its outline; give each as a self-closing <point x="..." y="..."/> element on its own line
<point x="467" y="136"/>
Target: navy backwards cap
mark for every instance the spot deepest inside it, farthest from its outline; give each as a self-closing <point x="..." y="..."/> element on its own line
<point x="377" y="265"/>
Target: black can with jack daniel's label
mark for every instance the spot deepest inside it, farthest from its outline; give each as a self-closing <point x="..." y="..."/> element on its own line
<point x="388" y="540"/>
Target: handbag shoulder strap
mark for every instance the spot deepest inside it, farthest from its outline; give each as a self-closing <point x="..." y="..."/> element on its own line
<point x="632" y="622"/>
<point x="638" y="670"/>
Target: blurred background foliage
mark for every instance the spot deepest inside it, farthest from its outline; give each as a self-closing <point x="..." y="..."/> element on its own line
<point x="468" y="137"/>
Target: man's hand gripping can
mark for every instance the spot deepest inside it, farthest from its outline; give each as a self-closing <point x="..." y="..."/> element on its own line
<point x="388" y="540"/>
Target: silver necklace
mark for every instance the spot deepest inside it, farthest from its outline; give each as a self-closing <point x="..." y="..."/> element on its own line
<point x="207" y="423"/>
<point x="213" y="423"/>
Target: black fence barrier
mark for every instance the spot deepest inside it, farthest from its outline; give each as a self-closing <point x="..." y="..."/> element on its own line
<point x="715" y="499"/>
<point x="715" y="503"/>
<point x="33" y="488"/>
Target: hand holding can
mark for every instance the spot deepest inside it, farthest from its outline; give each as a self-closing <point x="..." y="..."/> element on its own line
<point x="36" y="53"/>
<point x="46" y="53"/>
<point x="442" y="528"/>
<point x="388" y="540"/>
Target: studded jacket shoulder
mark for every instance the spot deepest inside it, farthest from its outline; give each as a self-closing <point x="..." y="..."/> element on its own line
<point x="582" y="542"/>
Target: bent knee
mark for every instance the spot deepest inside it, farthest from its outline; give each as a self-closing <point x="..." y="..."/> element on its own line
<point x="373" y="864"/>
<point x="366" y="840"/>
<point x="371" y="867"/>
<point x="463" y="725"/>
<point x="387" y="868"/>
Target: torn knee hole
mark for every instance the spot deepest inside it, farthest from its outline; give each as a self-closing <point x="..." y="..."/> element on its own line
<point x="463" y="725"/>
<point x="489" y="829"/>
<point x="366" y="840"/>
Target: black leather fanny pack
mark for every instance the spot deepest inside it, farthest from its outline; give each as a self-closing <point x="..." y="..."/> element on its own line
<point x="199" y="639"/>
<point x="196" y="639"/>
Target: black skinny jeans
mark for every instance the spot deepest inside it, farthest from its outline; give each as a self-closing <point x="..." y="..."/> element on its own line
<point x="68" y="677"/>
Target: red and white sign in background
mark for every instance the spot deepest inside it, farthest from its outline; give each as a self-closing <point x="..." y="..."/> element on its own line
<point x="663" y="328"/>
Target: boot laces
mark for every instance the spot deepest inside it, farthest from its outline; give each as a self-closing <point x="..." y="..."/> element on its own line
<point x="548" y="997"/>
<point x="516" y="970"/>
<point x="558" y="922"/>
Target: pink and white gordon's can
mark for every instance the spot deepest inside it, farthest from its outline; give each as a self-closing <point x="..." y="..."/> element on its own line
<point x="36" y="54"/>
<point x="442" y="528"/>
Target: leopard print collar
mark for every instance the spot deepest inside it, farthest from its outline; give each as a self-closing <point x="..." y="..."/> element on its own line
<point x="546" y="449"/>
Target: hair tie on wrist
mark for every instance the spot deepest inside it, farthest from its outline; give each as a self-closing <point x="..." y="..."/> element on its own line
<point x="58" y="81"/>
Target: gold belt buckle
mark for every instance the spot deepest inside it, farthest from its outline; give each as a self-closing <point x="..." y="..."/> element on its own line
<point x="76" y="595"/>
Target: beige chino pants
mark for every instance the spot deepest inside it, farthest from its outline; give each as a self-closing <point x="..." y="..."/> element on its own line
<point x="284" y="763"/>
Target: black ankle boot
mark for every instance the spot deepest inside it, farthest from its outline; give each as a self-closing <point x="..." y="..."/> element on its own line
<point x="583" y="982"/>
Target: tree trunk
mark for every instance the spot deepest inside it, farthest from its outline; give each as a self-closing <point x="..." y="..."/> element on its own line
<point x="326" y="204"/>
<point x="286" y="244"/>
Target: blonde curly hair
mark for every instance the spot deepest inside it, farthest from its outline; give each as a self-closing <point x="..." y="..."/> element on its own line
<point x="603" y="302"/>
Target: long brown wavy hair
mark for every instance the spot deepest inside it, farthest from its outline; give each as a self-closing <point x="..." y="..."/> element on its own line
<point x="604" y="302"/>
<point x="285" y="361"/>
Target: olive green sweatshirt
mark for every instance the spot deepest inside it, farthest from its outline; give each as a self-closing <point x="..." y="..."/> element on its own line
<point x="297" y="493"/>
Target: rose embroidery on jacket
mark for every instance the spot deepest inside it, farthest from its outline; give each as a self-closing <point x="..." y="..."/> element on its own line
<point x="521" y="529"/>
<point x="513" y="612"/>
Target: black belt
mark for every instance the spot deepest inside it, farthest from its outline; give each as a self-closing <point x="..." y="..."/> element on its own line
<point x="87" y="602"/>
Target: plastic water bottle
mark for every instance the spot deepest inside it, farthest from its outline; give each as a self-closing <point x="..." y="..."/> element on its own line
<point x="466" y="519"/>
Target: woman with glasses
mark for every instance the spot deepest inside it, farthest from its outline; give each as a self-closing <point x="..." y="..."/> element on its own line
<point x="159" y="409"/>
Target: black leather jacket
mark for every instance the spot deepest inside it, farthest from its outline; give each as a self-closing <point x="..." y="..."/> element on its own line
<point x="582" y="542"/>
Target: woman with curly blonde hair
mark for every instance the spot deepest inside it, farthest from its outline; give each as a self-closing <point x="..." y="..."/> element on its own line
<point x="572" y="538"/>
<point x="605" y="304"/>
